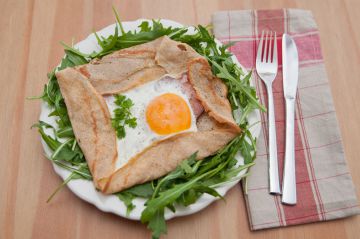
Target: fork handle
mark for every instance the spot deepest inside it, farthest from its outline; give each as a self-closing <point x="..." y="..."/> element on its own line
<point x="273" y="161"/>
<point x="289" y="179"/>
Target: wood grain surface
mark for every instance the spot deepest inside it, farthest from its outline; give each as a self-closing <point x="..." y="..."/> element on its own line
<point x="29" y="48"/>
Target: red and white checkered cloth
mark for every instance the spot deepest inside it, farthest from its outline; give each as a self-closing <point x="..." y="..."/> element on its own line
<point x="324" y="187"/>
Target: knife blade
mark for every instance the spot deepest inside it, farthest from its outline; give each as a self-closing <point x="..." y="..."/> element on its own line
<point x="290" y="62"/>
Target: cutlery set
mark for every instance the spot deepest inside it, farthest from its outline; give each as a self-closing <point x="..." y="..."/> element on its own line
<point x="267" y="67"/>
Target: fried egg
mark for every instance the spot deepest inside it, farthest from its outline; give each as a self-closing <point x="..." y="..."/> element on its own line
<point x="163" y="108"/>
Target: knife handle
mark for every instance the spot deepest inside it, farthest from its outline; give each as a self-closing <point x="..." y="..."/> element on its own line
<point x="289" y="177"/>
<point x="273" y="160"/>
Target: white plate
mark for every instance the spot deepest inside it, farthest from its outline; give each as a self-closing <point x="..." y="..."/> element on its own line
<point x="110" y="203"/>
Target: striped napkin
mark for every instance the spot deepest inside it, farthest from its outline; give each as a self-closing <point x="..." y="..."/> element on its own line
<point x="324" y="186"/>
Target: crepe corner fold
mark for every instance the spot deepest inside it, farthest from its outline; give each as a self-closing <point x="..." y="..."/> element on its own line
<point x="83" y="86"/>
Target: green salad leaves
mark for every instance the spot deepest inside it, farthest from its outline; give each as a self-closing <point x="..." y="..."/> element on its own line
<point x="192" y="178"/>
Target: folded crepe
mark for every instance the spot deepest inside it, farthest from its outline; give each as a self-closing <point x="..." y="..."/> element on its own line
<point x="83" y="88"/>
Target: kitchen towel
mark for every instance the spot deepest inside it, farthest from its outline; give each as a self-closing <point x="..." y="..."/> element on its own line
<point x="325" y="190"/>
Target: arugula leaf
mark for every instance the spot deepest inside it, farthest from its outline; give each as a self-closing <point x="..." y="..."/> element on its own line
<point x="157" y="224"/>
<point x="165" y="198"/>
<point x="61" y="150"/>
<point x="65" y="132"/>
<point x="76" y="174"/>
<point x="143" y="190"/>
<point x="122" y="115"/>
<point x="127" y="199"/>
<point x="179" y="172"/>
<point x="82" y="169"/>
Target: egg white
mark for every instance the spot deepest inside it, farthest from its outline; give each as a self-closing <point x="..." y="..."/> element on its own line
<point x="141" y="137"/>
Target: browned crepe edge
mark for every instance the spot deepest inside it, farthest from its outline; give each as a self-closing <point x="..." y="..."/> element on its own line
<point x="159" y="52"/>
<point x="140" y="77"/>
<point x="146" y="166"/>
<point x="83" y="101"/>
<point x="213" y="83"/>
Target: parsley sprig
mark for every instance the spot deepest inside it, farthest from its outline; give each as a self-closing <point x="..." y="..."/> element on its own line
<point x="191" y="178"/>
<point x="122" y="115"/>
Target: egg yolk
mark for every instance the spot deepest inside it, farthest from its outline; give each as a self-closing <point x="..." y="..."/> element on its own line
<point x="167" y="114"/>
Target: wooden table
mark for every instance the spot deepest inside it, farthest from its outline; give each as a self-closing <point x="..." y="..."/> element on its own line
<point x="29" y="48"/>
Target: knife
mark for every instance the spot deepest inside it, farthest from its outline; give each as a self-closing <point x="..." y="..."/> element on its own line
<point x="290" y="61"/>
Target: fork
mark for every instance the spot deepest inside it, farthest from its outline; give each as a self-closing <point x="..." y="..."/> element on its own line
<point x="266" y="67"/>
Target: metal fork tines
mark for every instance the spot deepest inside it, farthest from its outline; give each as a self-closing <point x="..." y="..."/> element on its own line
<point x="266" y="67"/>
